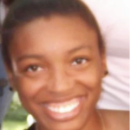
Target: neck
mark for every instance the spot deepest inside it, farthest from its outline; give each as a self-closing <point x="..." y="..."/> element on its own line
<point x="95" y="121"/>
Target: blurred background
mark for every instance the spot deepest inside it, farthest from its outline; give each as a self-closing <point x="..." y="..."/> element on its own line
<point x="16" y="117"/>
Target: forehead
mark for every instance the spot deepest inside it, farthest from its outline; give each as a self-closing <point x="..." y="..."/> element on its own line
<point x="52" y="34"/>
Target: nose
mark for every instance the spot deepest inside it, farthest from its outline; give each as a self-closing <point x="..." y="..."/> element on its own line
<point x="60" y="81"/>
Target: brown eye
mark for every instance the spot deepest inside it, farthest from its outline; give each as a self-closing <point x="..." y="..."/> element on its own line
<point x="79" y="61"/>
<point x="34" y="68"/>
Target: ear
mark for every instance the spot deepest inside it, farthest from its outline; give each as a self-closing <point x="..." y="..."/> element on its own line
<point x="10" y="77"/>
<point x="104" y="65"/>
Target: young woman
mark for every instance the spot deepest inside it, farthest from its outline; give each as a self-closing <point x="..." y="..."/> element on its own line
<point x="55" y="58"/>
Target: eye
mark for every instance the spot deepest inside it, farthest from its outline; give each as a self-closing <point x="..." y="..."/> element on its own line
<point x="34" y="68"/>
<point x="79" y="61"/>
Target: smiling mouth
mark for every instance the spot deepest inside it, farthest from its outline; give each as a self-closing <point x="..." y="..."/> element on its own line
<point x="64" y="110"/>
<point x="63" y="107"/>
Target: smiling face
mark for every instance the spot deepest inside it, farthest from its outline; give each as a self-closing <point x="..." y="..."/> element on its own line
<point x="57" y="71"/>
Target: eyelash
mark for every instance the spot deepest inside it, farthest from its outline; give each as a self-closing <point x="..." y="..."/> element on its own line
<point x="33" y="68"/>
<point x="81" y="61"/>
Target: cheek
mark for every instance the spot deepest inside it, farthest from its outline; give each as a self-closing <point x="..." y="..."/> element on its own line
<point x="92" y="83"/>
<point x="91" y="76"/>
<point x="91" y="80"/>
<point x="28" y="88"/>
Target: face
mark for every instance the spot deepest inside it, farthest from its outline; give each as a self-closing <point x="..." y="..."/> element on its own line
<point x="57" y="71"/>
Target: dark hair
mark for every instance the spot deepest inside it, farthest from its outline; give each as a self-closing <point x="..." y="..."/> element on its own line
<point x="8" y="2"/>
<point x="24" y="11"/>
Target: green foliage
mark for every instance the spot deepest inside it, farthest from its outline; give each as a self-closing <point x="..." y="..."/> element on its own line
<point x="16" y="111"/>
<point x="14" y="125"/>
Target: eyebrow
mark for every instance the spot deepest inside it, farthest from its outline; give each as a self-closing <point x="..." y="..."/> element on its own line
<point x="29" y="57"/>
<point x="40" y="57"/>
<point x="80" y="48"/>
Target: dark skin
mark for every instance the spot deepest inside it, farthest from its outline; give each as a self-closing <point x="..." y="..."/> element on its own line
<point x="57" y="65"/>
<point x="116" y="120"/>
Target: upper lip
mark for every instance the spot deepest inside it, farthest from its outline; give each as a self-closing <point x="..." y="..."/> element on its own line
<point x="62" y="99"/>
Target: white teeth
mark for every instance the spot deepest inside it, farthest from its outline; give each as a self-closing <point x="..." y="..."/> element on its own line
<point x="63" y="109"/>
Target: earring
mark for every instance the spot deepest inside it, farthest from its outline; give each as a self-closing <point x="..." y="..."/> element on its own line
<point x="106" y="73"/>
<point x="11" y="89"/>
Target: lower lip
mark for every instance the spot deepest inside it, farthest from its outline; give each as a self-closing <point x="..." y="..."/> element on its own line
<point x="65" y="116"/>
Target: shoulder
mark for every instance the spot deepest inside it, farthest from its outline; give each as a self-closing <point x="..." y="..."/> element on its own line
<point x="115" y="120"/>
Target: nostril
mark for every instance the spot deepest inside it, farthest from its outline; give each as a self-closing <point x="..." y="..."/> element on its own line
<point x="58" y="84"/>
